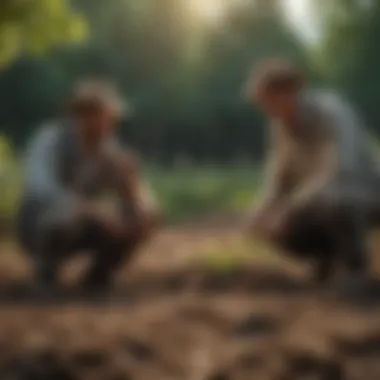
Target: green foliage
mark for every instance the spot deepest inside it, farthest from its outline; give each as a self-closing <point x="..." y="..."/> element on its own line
<point x="223" y="261"/>
<point x="350" y="52"/>
<point x="201" y="191"/>
<point x="10" y="181"/>
<point x="36" y="25"/>
<point x="341" y="35"/>
<point x="182" y="72"/>
<point x="233" y="254"/>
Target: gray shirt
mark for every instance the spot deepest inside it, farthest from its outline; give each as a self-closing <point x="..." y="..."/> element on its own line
<point x="328" y="145"/>
<point x="41" y="163"/>
<point x="57" y="170"/>
<point x="61" y="183"/>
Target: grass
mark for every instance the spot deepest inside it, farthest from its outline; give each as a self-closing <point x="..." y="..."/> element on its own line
<point x="193" y="192"/>
<point x="183" y="193"/>
<point x="227" y="255"/>
<point x="10" y="182"/>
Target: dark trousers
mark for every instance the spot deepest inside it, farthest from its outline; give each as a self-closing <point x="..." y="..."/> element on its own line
<point x="58" y="238"/>
<point x="329" y="235"/>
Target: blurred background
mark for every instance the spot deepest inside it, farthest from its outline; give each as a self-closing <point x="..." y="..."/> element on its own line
<point x="199" y="303"/>
<point x="181" y="65"/>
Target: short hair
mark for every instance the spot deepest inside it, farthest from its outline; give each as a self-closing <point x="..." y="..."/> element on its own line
<point x="95" y="93"/>
<point x="274" y="76"/>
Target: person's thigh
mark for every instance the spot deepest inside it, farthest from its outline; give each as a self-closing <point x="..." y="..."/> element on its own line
<point x="27" y="220"/>
<point x="103" y="227"/>
<point x="64" y="222"/>
<point x="62" y="229"/>
<point x="77" y="230"/>
<point x="38" y="219"/>
<point x="306" y="233"/>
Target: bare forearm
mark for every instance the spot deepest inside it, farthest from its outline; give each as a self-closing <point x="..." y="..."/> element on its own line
<point x="144" y="207"/>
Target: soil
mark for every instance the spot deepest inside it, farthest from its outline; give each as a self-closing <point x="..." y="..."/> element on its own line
<point x="170" y="318"/>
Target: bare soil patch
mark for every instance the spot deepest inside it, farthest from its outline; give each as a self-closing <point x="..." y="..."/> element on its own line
<point x="169" y="318"/>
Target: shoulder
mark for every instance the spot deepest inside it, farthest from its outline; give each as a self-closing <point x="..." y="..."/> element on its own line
<point x="328" y="102"/>
<point x="334" y="113"/>
<point x="40" y="157"/>
<point x="45" y="136"/>
<point x="46" y="131"/>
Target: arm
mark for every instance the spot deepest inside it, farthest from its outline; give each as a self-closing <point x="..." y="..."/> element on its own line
<point x="136" y="192"/>
<point x="276" y="188"/>
<point x="277" y="180"/>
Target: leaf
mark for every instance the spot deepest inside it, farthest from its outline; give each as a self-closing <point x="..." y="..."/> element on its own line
<point x="36" y="26"/>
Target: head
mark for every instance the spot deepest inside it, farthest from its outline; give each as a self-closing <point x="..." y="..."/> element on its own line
<point x="275" y="86"/>
<point x="96" y="108"/>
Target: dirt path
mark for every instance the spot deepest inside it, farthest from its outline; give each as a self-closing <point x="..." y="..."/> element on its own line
<point x="170" y="318"/>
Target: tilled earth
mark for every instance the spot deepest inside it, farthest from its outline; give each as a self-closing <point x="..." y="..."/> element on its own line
<point x="170" y="318"/>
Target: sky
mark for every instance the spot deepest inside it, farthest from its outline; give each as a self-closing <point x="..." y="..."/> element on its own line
<point x="300" y="15"/>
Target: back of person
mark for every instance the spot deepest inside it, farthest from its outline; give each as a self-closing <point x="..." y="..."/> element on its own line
<point x="358" y="155"/>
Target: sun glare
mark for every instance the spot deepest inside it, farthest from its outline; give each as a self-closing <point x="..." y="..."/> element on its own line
<point x="210" y="11"/>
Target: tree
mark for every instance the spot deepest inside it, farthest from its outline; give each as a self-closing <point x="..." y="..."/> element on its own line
<point x="183" y="74"/>
<point x="33" y="26"/>
<point x="350" y="52"/>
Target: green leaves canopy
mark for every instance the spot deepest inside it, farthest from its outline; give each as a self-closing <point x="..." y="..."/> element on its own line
<point x="34" y="26"/>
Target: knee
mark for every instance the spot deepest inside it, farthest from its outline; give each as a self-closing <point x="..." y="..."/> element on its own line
<point x="55" y="231"/>
<point x="134" y="232"/>
<point x="275" y="234"/>
<point x="257" y="225"/>
<point x="283" y="237"/>
<point x="26" y="227"/>
<point x="298" y="234"/>
<point x="148" y="226"/>
<point x="251" y="227"/>
<point x="55" y="238"/>
<point x="357" y="262"/>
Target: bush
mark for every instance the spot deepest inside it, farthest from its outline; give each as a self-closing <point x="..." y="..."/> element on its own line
<point x="10" y="182"/>
<point x="196" y="191"/>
